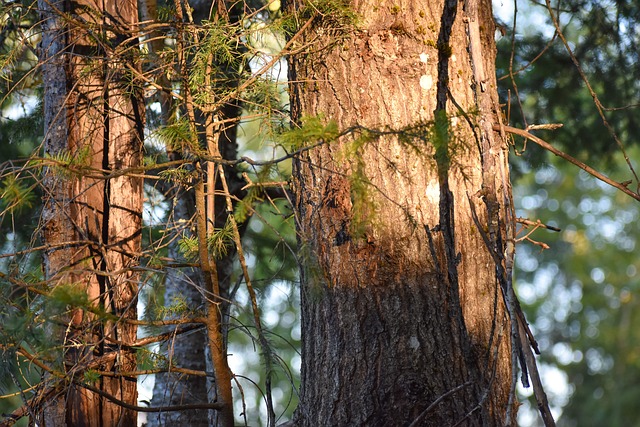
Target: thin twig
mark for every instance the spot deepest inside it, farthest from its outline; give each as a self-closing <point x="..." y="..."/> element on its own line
<point x="537" y="223"/>
<point x="620" y="186"/>
<point x="594" y="95"/>
<point x="254" y="300"/>
<point x="424" y="413"/>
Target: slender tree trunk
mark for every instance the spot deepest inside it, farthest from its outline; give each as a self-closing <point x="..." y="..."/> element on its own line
<point x="56" y="225"/>
<point x="193" y="351"/>
<point x="402" y="314"/>
<point x="186" y="351"/>
<point x="91" y="220"/>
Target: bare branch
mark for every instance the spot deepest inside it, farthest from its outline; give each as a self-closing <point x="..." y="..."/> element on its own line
<point x="620" y="186"/>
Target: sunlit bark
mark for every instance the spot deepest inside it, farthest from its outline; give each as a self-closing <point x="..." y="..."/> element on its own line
<point x="401" y="304"/>
<point x="92" y="220"/>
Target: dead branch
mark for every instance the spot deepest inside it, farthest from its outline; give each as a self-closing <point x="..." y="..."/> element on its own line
<point x="588" y="169"/>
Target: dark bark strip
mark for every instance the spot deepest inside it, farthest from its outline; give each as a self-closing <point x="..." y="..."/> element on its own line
<point x="446" y="225"/>
<point x="448" y="17"/>
<point x="55" y="85"/>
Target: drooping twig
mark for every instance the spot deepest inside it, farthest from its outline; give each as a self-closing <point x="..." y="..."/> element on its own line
<point x="522" y="336"/>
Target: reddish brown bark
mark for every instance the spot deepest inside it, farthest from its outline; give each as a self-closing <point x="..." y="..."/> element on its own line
<point x="92" y="219"/>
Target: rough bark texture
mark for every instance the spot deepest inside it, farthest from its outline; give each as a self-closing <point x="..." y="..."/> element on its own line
<point x="92" y="221"/>
<point x="409" y="309"/>
<point x="55" y="222"/>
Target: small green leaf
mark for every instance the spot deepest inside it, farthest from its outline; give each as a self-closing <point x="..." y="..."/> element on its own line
<point x="218" y="243"/>
<point x="91" y="376"/>
<point x="188" y="247"/>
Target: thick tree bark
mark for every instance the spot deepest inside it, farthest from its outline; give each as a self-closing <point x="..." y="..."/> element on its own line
<point x="404" y="307"/>
<point x="91" y="220"/>
<point x="56" y="225"/>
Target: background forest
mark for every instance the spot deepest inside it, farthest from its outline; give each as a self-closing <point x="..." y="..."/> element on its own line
<point x="580" y="286"/>
<point x="581" y="293"/>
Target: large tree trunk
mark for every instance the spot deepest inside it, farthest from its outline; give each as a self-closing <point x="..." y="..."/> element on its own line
<point x="401" y="304"/>
<point x="92" y="220"/>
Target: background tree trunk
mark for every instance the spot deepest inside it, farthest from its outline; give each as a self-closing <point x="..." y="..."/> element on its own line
<point x="192" y="351"/>
<point x="94" y="119"/>
<point x="401" y="304"/>
<point x="187" y="350"/>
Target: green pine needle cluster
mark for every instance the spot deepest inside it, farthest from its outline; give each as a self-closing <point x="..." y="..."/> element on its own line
<point x="178" y="307"/>
<point x="439" y="136"/>
<point x="215" y="59"/>
<point x="67" y="164"/>
<point x="188" y="247"/>
<point x="363" y="202"/>
<point x="72" y="296"/>
<point x="263" y="97"/>
<point x="148" y="360"/>
<point x="312" y="131"/>
<point x="16" y="195"/>
<point x="329" y="14"/>
<point x="178" y="136"/>
<point x="255" y="194"/>
<point x="218" y="243"/>
<point x="221" y="240"/>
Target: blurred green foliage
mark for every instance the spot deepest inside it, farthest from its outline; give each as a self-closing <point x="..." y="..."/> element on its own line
<point x="582" y="294"/>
